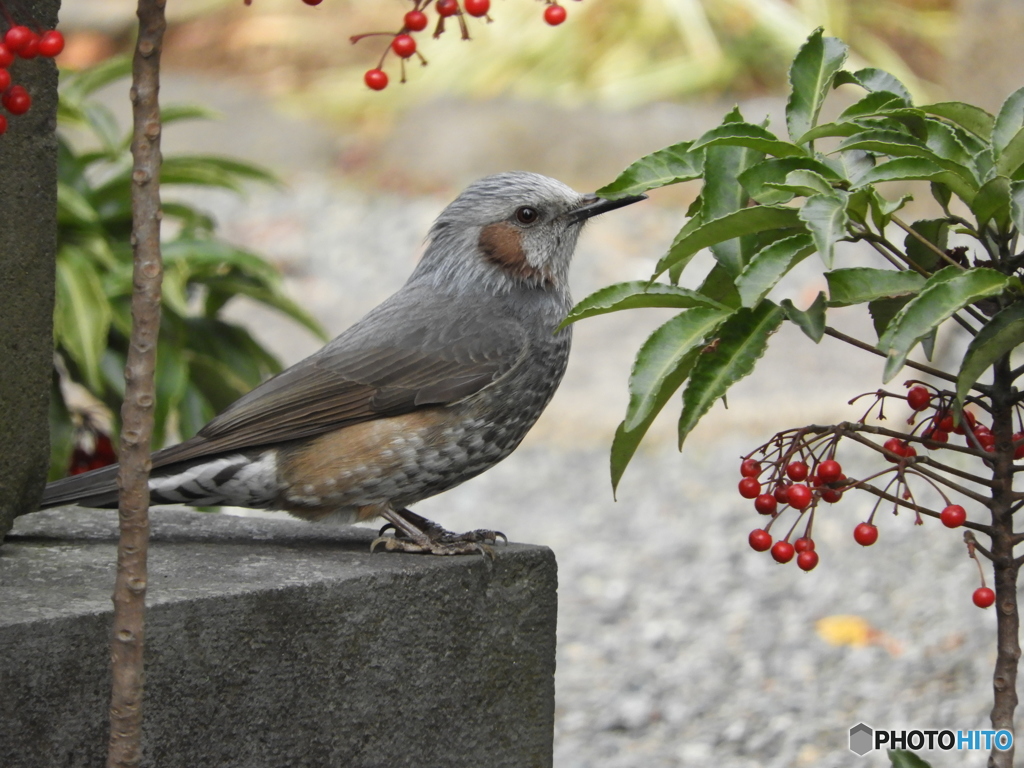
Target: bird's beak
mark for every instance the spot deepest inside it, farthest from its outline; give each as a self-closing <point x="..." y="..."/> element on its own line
<point x="594" y="206"/>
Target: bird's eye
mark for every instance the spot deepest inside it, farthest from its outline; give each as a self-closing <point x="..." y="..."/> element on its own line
<point x="526" y="215"/>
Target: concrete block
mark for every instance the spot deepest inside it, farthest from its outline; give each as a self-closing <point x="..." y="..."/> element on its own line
<point x="277" y="643"/>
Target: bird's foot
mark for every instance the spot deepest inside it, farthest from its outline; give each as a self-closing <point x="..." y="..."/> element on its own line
<point x="416" y="534"/>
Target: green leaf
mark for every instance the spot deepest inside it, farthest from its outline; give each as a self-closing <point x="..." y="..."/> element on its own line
<point x="876" y="102"/>
<point x="882" y="312"/>
<point x="992" y="203"/>
<point x="812" y="320"/>
<point x="919" y="168"/>
<point x="77" y="86"/>
<point x="945" y="292"/>
<point x="746" y="221"/>
<point x="73" y="207"/>
<point x="1017" y="204"/>
<point x="173" y="113"/>
<point x="1010" y="159"/>
<point x="171" y="384"/>
<point x="1008" y="122"/>
<point x="770" y="264"/>
<point x="750" y="136"/>
<point x="967" y="116"/>
<point x="811" y="76"/>
<point x="720" y="286"/>
<point x="742" y="340"/>
<point x="662" y="365"/>
<point x="882" y="209"/>
<point x="635" y="295"/>
<point x="82" y="314"/>
<point x="757" y="178"/>
<point x="825" y="217"/>
<point x="872" y="79"/>
<point x="1000" y="336"/>
<point x="659" y="169"/>
<point x="903" y="758"/>
<point x="860" y="284"/>
<point x="936" y="232"/>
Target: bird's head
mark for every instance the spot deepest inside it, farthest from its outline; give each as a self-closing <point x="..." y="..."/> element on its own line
<point x="509" y="229"/>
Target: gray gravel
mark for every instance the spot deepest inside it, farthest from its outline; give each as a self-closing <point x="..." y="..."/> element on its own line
<point x="678" y="645"/>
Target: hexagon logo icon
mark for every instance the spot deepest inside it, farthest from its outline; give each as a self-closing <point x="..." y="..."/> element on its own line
<point x="861" y="739"/>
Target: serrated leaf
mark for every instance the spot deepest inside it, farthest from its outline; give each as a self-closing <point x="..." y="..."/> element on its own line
<point x="1008" y="122"/>
<point x="874" y="103"/>
<point x="918" y="168"/>
<point x="828" y="131"/>
<point x="1000" y="336"/>
<point x="720" y="286"/>
<point x="658" y="169"/>
<point x="662" y="365"/>
<point x="810" y="76"/>
<point x="746" y="221"/>
<point x="82" y="314"/>
<point x="1017" y="204"/>
<point x="942" y="140"/>
<point x="936" y="232"/>
<point x="811" y="320"/>
<point x="882" y="208"/>
<point x="847" y="287"/>
<point x="741" y="341"/>
<point x="757" y="178"/>
<point x="873" y="79"/>
<point x="903" y="758"/>
<point x="825" y="217"/>
<point x="770" y="264"/>
<point x="945" y="292"/>
<point x="967" y="116"/>
<point x="1010" y="159"/>
<point x="992" y="203"/>
<point x="635" y="295"/>
<point x="882" y="312"/>
<point x="750" y="136"/>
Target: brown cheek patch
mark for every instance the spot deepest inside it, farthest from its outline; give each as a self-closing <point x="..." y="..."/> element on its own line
<point x="502" y="245"/>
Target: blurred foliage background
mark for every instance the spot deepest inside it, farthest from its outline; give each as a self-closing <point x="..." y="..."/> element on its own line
<point x="615" y="53"/>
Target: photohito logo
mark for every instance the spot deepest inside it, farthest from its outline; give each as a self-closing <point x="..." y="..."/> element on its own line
<point x="864" y="739"/>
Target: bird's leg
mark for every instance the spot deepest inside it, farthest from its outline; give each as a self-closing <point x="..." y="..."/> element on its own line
<point x="414" y="533"/>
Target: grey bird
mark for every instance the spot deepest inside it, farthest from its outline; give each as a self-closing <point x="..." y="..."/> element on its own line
<point x="435" y="385"/>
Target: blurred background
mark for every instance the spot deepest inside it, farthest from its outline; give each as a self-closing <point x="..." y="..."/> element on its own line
<point x="678" y="646"/>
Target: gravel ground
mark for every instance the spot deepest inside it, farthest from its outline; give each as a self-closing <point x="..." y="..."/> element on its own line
<point x="678" y="645"/>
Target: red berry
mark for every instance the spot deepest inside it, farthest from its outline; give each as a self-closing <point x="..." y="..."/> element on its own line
<point x="51" y="44"/>
<point x="750" y="468"/>
<point x="983" y="597"/>
<point x="416" y="21"/>
<point x="476" y="7"/>
<point x="30" y="49"/>
<point x="953" y="516"/>
<point x="829" y="471"/>
<point x="971" y="420"/>
<point x="865" y="534"/>
<point x="5" y="79"/>
<point x="919" y="398"/>
<point x="765" y="504"/>
<point x="781" y="494"/>
<point x="797" y="471"/>
<point x="3" y="125"/>
<point x="404" y="46"/>
<point x="799" y="496"/>
<point x="16" y="37"/>
<point x="312" y="2"/>
<point x="6" y="56"/>
<point x="16" y="100"/>
<point x="760" y="540"/>
<point x="893" y="445"/>
<point x="831" y="495"/>
<point x="804" y="544"/>
<point x="944" y="421"/>
<point x="376" y="79"/>
<point x="554" y="15"/>
<point x="935" y="435"/>
<point x="807" y="561"/>
<point x="447" y="7"/>
<point x="1018" y="452"/>
<point x="783" y="551"/>
<point x="750" y="488"/>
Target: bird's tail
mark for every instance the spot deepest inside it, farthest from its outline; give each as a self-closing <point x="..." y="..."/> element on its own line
<point x="97" y="488"/>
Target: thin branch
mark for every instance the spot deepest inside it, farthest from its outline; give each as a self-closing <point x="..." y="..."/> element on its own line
<point x="980" y="527"/>
<point x="126" y="645"/>
<point x="924" y="241"/>
<point x="829" y="331"/>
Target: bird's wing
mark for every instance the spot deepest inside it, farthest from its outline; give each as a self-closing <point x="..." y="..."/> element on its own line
<point x="407" y="354"/>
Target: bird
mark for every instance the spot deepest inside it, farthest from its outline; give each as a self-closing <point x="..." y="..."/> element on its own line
<point x="435" y="385"/>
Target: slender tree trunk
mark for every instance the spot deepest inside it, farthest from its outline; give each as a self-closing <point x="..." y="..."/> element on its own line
<point x="125" y="748"/>
<point x="1004" y="680"/>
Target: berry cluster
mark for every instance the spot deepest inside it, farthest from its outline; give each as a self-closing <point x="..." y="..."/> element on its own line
<point x="403" y="43"/>
<point x="797" y="470"/>
<point x="21" y="42"/>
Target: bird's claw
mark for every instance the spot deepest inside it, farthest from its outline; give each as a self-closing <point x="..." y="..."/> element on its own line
<point x="438" y="541"/>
